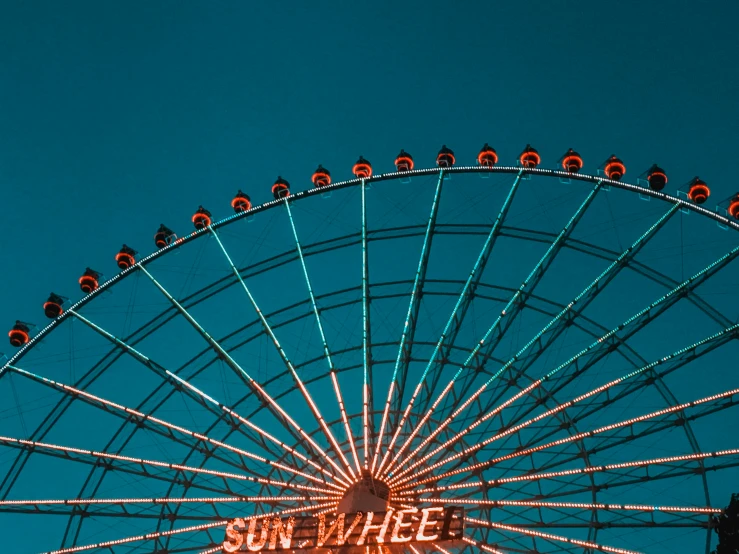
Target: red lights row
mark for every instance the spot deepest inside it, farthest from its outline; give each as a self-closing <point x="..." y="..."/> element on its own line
<point x="571" y="162"/>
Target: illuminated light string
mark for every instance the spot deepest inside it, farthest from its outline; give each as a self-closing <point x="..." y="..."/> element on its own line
<point x="262" y="432"/>
<point x="579" y="436"/>
<point x="577" y="471"/>
<point x="366" y="331"/>
<point x="673" y="296"/>
<point x="256" y="387"/>
<point x="407" y="328"/>
<point x="482" y="546"/>
<point x="550" y="536"/>
<point x="329" y="360"/>
<point x="610" y="273"/>
<point x="137" y="538"/>
<point x="577" y="505"/>
<point x="440" y="549"/>
<point x="268" y="329"/>
<point x="202" y="395"/>
<point x="462" y="303"/>
<point x="466" y="295"/>
<point x="161" y="422"/>
<point x="212" y="550"/>
<point x="570" y="403"/>
<point x="723" y="220"/>
<point x="423" y="421"/>
<point x="163" y="500"/>
<point x="159" y="534"/>
<point x="142" y="461"/>
<point x="296" y="486"/>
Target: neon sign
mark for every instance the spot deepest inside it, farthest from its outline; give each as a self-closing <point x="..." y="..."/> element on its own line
<point x="358" y="529"/>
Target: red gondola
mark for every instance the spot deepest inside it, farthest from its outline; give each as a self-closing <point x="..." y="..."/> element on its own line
<point x="529" y="158"/>
<point x="241" y="202"/>
<point x="445" y="157"/>
<point x="201" y="218"/>
<point x="281" y="188"/>
<point x="698" y="191"/>
<point x="614" y="168"/>
<point x="572" y="161"/>
<point x="18" y="335"/>
<point x="125" y="257"/>
<point x="89" y="281"/>
<point x="734" y="207"/>
<point x="53" y="306"/>
<point x="164" y="236"/>
<point x="656" y="177"/>
<point x="362" y="169"/>
<point x="321" y="177"/>
<point x="404" y="161"/>
<point x="487" y="156"/>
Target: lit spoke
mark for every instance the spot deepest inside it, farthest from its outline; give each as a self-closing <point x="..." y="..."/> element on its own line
<point x="329" y="360"/>
<point x="549" y="536"/>
<point x="252" y="383"/>
<point x="699" y="457"/>
<point x="248" y="423"/>
<point x="672" y="361"/>
<point x="143" y="418"/>
<point x="139" y="538"/>
<point x="599" y="348"/>
<point x="625" y="423"/>
<point x="397" y="382"/>
<point x="70" y="453"/>
<point x="574" y="505"/>
<point x="482" y="546"/>
<point x="451" y="329"/>
<point x="163" y="500"/>
<point x="159" y="534"/>
<point x="367" y="394"/>
<point x="468" y="291"/>
<point x="270" y="332"/>
<point x="201" y="397"/>
<point x="555" y="327"/>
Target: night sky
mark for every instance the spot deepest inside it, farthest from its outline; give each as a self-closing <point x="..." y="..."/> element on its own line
<point x="116" y="117"/>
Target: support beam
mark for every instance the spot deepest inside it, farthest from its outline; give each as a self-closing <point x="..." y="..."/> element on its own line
<point x="279" y="413"/>
<point x="400" y="372"/>
<point x="329" y="361"/>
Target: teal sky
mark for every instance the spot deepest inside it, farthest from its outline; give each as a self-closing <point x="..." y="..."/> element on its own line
<point x="116" y="117"/>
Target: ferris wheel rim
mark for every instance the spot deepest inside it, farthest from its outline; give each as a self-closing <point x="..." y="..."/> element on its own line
<point x="294" y="197"/>
<point x="353" y="182"/>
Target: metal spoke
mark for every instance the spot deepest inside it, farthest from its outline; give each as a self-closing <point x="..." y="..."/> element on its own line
<point x="255" y="387"/>
<point x="668" y="364"/>
<point x="143" y="420"/>
<point x="575" y="505"/>
<point x="141" y="508"/>
<point x="550" y="536"/>
<point x="444" y="345"/>
<point x="590" y="356"/>
<point x="559" y="323"/>
<point x="92" y="457"/>
<point x="512" y="308"/>
<point x="161" y="534"/>
<point x="238" y="422"/>
<point x="726" y="395"/>
<point x="676" y="464"/>
<point x="367" y="385"/>
<point x="329" y="361"/>
<point x="400" y="371"/>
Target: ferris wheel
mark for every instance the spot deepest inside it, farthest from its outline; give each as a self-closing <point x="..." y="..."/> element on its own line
<point x="483" y="358"/>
